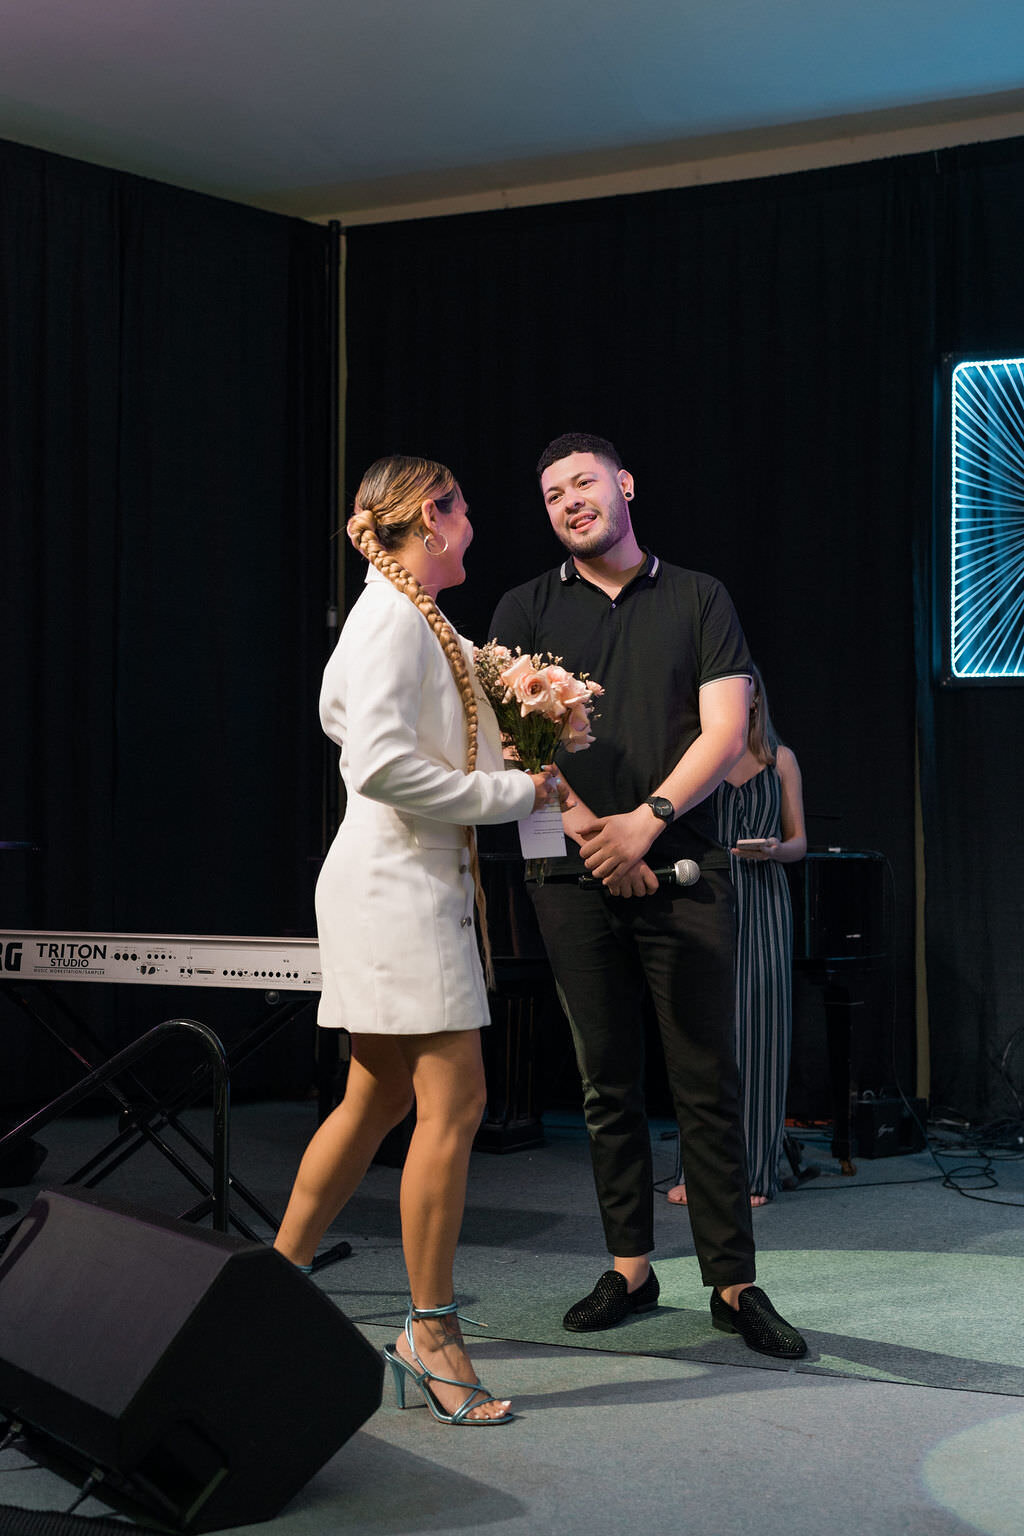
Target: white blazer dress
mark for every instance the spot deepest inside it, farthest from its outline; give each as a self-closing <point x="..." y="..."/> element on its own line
<point x="395" y="900"/>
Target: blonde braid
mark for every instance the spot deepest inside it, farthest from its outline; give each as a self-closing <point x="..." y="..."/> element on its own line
<point x="361" y="530"/>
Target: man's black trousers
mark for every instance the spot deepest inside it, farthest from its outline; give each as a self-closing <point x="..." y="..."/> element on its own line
<point x="680" y="945"/>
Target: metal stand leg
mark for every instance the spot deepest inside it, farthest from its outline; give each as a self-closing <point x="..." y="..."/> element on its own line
<point x="148" y="1119"/>
<point x="102" y="1076"/>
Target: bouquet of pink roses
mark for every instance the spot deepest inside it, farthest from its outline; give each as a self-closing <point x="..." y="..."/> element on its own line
<point x="539" y="705"/>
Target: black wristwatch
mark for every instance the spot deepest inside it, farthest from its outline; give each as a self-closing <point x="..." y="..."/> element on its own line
<point x="662" y="808"/>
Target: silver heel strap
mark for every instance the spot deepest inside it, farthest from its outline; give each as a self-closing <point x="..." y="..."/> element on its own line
<point x="417" y="1314"/>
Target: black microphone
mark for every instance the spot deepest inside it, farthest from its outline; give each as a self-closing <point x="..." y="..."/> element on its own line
<point x="682" y="872"/>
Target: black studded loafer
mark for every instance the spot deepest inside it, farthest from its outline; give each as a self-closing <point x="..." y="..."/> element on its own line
<point x="610" y="1301"/>
<point x="758" y="1324"/>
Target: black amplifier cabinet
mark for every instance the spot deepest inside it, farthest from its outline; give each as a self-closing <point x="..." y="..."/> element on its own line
<point x="840" y="906"/>
<point x="888" y="1127"/>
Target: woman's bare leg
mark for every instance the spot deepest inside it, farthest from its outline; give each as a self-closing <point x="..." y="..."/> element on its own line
<point x="378" y="1095"/>
<point x="448" y="1079"/>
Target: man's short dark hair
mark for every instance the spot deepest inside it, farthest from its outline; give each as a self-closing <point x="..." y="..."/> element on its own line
<point x="578" y="442"/>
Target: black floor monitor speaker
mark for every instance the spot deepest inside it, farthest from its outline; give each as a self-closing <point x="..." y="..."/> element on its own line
<point x="205" y="1377"/>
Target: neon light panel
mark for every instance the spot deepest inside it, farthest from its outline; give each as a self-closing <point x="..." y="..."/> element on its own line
<point x="987" y="575"/>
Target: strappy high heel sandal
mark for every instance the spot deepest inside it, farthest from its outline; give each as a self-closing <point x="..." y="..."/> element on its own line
<point x="403" y="1370"/>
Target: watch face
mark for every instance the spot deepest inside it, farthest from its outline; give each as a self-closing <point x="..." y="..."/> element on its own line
<point x="662" y="808"/>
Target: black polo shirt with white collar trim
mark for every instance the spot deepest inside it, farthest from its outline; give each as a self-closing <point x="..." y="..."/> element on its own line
<point x="652" y="648"/>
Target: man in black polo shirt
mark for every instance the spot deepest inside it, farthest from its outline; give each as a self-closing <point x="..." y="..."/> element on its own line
<point x="667" y="648"/>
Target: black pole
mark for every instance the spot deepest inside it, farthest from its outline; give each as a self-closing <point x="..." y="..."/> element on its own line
<point x="330" y="799"/>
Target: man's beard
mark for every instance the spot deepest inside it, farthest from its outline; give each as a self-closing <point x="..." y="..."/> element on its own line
<point x="595" y="541"/>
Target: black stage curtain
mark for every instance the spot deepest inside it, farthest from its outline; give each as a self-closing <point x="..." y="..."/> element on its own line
<point x="764" y="354"/>
<point x="164" y="408"/>
<point x="972" y="737"/>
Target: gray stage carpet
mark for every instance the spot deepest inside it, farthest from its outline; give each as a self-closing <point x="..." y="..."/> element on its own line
<point x="902" y="1419"/>
<point x="890" y="1276"/>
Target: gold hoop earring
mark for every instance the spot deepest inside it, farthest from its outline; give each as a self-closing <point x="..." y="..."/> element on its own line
<point x="426" y="537"/>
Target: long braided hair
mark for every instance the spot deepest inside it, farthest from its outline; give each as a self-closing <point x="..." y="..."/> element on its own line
<point x="387" y="509"/>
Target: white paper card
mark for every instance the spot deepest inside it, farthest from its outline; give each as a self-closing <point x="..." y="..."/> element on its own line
<point x="541" y="835"/>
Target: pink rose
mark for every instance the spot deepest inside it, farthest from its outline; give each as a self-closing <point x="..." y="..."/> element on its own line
<point x="535" y="696"/>
<point x="511" y="674"/>
<point x="568" y="690"/>
<point x="531" y="687"/>
<point x="576" y="735"/>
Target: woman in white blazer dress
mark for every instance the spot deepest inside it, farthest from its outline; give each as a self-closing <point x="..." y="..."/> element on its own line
<point x="421" y="763"/>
